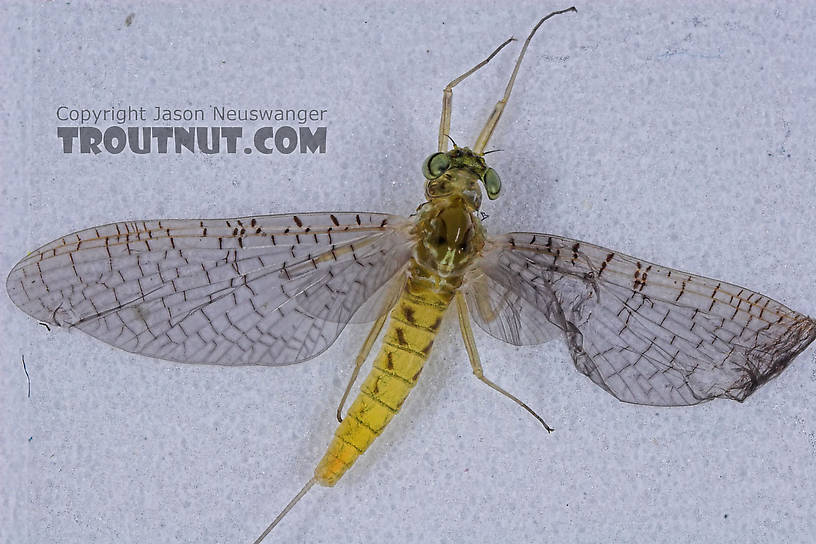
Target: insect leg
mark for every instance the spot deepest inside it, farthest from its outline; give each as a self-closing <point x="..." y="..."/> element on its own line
<point x="447" y="98"/>
<point x="361" y="357"/>
<point x="473" y="354"/>
<point x="493" y="120"/>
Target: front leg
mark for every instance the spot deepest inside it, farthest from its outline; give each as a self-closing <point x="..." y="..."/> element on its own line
<point x="447" y="99"/>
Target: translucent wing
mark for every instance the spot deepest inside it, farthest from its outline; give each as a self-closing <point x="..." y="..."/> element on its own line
<point x="645" y="333"/>
<point x="506" y="309"/>
<point x="267" y="290"/>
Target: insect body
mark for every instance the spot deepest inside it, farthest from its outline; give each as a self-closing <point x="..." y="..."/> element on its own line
<point x="449" y="236"/>
<point x="276" y="290"/>
<point x="406" y="346"/>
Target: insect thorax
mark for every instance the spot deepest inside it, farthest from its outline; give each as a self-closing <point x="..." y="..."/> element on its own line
<point x="449" y="235"/>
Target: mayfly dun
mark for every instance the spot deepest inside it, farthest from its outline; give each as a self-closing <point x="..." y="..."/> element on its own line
<point x="279" y="289"/>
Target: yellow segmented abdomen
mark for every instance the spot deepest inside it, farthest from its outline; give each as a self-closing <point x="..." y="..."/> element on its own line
<point x="414" y="322"/>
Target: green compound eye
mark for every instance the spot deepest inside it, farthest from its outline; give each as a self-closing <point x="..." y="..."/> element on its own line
<point x="435" y="165"/>
<point x="492" y="183"/>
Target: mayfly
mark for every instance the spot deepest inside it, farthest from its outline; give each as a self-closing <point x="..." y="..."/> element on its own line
<point x="279" y="289"/>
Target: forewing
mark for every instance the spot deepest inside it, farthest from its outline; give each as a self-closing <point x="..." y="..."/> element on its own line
<point x="266" y="290"/>
<point x="646" y="333"/>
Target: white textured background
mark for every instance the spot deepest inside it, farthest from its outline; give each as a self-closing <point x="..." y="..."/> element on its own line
<point x="682" y="133"/>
